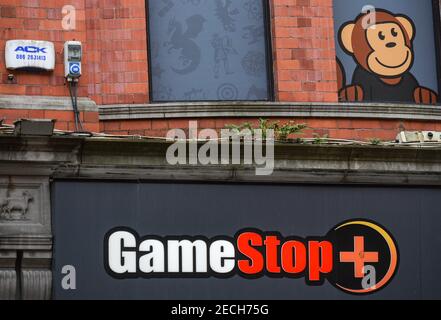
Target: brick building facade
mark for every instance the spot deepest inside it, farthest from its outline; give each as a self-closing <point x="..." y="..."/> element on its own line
<point x="115" y="84"/>
<point x="346" y="71"/>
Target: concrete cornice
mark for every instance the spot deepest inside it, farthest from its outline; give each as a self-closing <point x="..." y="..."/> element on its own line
<point x="270" y="109"/>
<point x="228" y="109"/>
<point x="45" y="103"/>
<point x="129" y="159"/>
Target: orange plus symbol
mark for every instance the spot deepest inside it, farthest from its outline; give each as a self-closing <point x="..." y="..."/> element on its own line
<point x="359" y="257"/>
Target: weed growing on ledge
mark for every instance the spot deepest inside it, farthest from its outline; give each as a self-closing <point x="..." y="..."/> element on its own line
<point x="318" y="139"/>
<point x="375" y="141"/>
<point x="282" y="131"/>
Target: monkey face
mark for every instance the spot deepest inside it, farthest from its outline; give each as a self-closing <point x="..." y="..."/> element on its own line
<point x="384" y="48"/>
<point x="391" y="56"/>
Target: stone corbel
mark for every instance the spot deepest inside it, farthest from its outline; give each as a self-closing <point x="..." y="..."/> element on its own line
<point x="36" y="275"/>
<point x="8" y="275"/>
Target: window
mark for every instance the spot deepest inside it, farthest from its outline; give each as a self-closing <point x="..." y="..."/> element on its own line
<point x="208" y="50"/>
<point x="387" y="50"/>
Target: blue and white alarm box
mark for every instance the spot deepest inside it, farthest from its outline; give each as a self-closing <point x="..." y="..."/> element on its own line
<point x="72" y="59"/>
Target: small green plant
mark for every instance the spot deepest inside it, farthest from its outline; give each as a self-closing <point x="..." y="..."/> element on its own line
<point x="281" y="132"/>
<point x="238" y="128"/>
<point x="290" y="128"/>
<point x="265" y="125"/>
<point x="375" y="141"/>
<point x="318" y="139"/>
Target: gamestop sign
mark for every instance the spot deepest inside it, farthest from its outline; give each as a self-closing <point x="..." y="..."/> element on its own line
<point x="30" y="55"/>
<point x="253" y="254"/>
<point x="209" y="241"/>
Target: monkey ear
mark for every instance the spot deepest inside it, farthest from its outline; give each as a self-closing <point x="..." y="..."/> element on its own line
<point x="346" y="36"/>
<point x="408" y="26"/>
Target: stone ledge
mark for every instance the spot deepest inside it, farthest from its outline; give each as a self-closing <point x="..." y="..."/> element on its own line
<point x="271" y="109"/>
<point x="128" y="159"/>
<point x="45" y="103"/>
<point x="38" y="242"/>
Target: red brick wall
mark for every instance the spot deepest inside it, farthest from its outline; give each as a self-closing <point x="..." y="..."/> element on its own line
<point x="304" y="50"/>
<point x="110" y="30"/>
<point x="39" y="20"/>
<point x="117" y="50"/>
<point x="42" y="20"/>
<point x="335" y="128"/>
<point x="115" y="31"/>
<point x="65" y="119"/>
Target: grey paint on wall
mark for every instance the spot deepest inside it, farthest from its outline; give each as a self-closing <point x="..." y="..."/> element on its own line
<point x="204" y="50"/>
<point x="83" y="212"/>
<point x="424" y="68"/>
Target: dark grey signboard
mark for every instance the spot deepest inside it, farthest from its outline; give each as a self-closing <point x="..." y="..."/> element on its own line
<point x="208" y="50"/>
<point x="250" y="241"/>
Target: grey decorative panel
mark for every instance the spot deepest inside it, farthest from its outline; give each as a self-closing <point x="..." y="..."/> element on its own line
<point x="24" y="206"/>
<point x="208" y="50"/>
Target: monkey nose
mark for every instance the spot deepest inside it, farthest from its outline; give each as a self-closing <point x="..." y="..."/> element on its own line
<point x="391" y="45"/>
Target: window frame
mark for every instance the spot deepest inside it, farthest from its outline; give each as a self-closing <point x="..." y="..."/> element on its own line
<point x="436" y="5"/>
<point x="436" y="12"/>
<point x="266" y="5"/>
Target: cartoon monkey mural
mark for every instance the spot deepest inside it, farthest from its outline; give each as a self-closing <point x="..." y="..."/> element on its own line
<point x="384" y="56"/>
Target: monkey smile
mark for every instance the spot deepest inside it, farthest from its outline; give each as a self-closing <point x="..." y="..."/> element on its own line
<point x="394" y="67"/>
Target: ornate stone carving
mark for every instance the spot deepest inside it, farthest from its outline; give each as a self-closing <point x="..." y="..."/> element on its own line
<point x="15" y="209"/>
<point x="24" y="206"/>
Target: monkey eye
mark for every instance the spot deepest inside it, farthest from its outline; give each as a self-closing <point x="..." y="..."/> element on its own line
<point x="394" y="32"/>
<point x="381" y="35"/>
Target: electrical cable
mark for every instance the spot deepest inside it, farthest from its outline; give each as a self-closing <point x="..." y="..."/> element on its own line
<point x="73" y="92"/>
